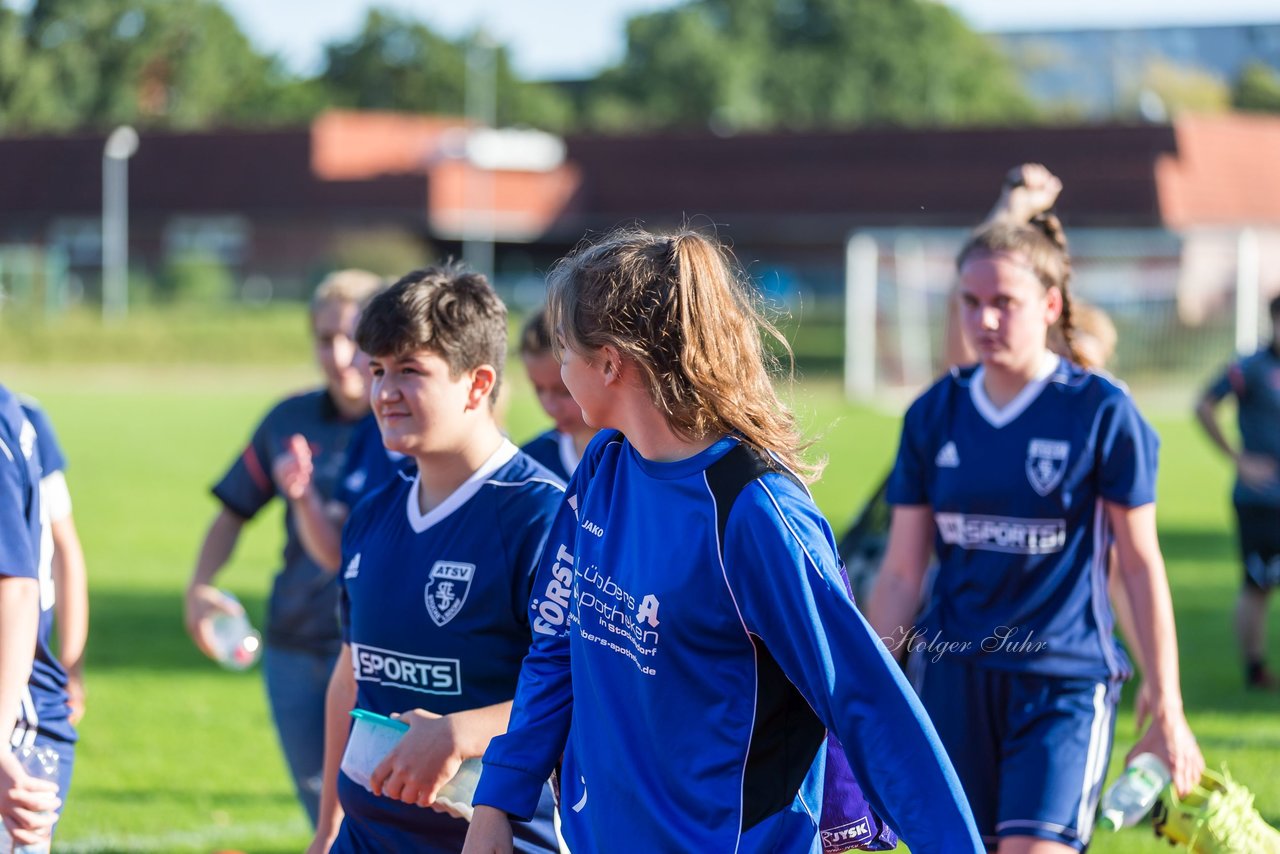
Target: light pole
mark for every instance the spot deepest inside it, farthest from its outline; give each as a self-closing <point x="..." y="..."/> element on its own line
<point x="120" y="146"/>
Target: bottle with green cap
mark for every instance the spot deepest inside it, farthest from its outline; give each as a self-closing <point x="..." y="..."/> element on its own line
<point x="1132" y="796"/>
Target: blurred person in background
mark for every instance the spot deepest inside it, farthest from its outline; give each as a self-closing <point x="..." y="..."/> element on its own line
<point x="1255" y="382"/>
<point x="561" y="447"/>
<point x="1019" y="472"/>
<point x="70" y="581"/>
<point x="33" y="699"/>
<point x="302" y="634"/>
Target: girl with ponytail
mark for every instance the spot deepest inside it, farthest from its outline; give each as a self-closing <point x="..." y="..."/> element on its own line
<point x="693" y="637"/>
<point x="1020" y="472"/>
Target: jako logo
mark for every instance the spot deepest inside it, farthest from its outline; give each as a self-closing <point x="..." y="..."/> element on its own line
<point x="592" y="528"/>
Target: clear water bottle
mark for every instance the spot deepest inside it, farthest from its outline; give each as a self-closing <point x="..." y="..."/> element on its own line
<point x="235" y="641"/>
<point x="40" y="762"/>
<point x="1132" y="796"/>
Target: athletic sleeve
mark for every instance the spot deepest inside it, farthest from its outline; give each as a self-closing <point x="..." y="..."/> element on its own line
<point x="519" y="762"/>
<point x="528" y="523"/>
<point x="1230" y="381"/>
<point x="1127" y="449"/>
<point x="52" y="459"/>
<point x="247" y="485"/>
<point x="17" y="557"/>
<point x="782" y="569"/>
<point x="908" y="482"/>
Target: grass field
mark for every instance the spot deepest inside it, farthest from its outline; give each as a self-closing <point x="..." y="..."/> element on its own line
<point x="178" y="755"/>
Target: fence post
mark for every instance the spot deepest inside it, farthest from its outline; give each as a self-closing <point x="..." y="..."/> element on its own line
<point x="1247" y="275"/>
<point x="861" y="258"/>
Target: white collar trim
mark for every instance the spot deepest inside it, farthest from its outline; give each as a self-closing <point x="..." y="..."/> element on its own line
<point x="569" y="457"/>
<point x="420" y="521"/>
<point x="999" y="417"/>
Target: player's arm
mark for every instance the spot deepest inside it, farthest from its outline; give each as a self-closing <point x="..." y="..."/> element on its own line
<point x="202" y="599"/>
<point x="71" y="608"/>
<point x="339" y="700"/>
<point x="319" y="523"/>
<point x="1142" y="570"/>
<point x="895" y="599"/>
<point x="781" y="565"/>
<point x="1257" y="470"/>
<point x="429" y="754"/>
<point x="21" y="797"/>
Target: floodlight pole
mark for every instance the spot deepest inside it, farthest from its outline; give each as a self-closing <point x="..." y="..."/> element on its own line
<point x="120" y="146"/>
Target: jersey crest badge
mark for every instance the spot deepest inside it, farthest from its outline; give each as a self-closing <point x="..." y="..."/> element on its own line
<point x="447" y="589"/>
<point x="1046" y="464"/>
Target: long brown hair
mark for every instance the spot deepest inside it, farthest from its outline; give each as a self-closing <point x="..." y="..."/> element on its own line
<point x="1043" y="243"/>
<point x="682" y="311"/>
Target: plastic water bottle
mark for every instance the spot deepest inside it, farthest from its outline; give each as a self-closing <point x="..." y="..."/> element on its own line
<point x="235" y="641"/>
<point x="1132" y="796"/>
<point x="40" y="762"/>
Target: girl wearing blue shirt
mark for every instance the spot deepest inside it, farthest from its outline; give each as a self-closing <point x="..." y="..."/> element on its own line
<point x="693" y="636"/>
<point x="1020" y="473"/>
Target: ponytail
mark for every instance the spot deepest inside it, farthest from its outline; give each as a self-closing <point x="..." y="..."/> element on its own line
<point x="679" y="308"/>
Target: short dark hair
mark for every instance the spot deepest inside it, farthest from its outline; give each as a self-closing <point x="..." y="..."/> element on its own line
<point x="535" y="335"/>
<point x="448" y="310"/>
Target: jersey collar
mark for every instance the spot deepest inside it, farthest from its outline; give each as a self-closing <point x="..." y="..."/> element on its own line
<point x="420" y="521"/>
<point x="998" y="417"/>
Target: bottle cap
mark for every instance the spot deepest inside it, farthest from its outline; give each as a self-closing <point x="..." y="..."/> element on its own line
<point x="1110" y="820"/>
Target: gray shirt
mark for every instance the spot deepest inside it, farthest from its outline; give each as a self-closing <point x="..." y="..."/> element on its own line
<point x="1255" y="382"/>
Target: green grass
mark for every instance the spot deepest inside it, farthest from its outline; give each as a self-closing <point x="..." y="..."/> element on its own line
<point x="179" y="756"/>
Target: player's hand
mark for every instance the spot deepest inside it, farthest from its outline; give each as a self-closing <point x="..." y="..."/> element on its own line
<point x="490" y="832"/>
<point x="425" y="758"/>
<point x="203" y="603"/>
<point x="27" y="804"/>
<point x="294" y="468"/>
<point x="75" y="694"/>
<point x="1029" y="190"/>
<point x="1170" y="740"/>
<point x="1256" y="470"/>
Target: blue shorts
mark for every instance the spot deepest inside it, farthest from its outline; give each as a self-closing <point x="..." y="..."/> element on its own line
<point x="1031" y="751"/>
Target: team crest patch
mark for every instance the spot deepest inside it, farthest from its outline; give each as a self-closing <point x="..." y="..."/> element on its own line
<point x="1046" y="464"/>
<point x="447" y="589"/>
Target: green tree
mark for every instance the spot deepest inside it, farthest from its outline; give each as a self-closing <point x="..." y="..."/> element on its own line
<point x="1257" y="89"/>
<point x="398" y="63"/>
<point x="169" y="63"/>
<point x="752" y="64"/>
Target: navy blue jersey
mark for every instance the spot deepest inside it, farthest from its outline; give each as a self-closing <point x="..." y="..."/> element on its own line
<point x="1255" y="382"/>
<point x="369" y="464"/>
<point x="556" y="451"/>
<point x="44" y="704"/>
<point x="672" y="679"/>
<point x="52" y="459"/>
<point x="435" y="609"/>
<point x="1022" y="532"/>
<point x="302" y="612"/>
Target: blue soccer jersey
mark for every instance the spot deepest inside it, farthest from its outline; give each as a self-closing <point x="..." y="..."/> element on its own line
<point x="556" y="451"/>
<point x="369" y="464"/>
<point x="52" y="459"/>
<point x="302" y="610"/>
<point x="1255" y="383"/>
<point x="43" y="710"/>
<point x="436" y="611"/>
<point x="1022" y="532"/>
<point x="687" y="669"/>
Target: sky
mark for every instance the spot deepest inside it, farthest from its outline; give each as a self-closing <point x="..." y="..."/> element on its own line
<point x="575" y="38"/>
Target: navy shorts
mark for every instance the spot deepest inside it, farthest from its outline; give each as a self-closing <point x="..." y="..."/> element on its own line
<point x="1031" y="751"/>
<point x="1258" y="527"/>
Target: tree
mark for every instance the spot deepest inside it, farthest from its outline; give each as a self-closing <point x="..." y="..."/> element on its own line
<point x="753" y="64"/>
<point x="397" y="63"/>
<point x="169" y="63"/>
<point x="1257" y="89"/>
